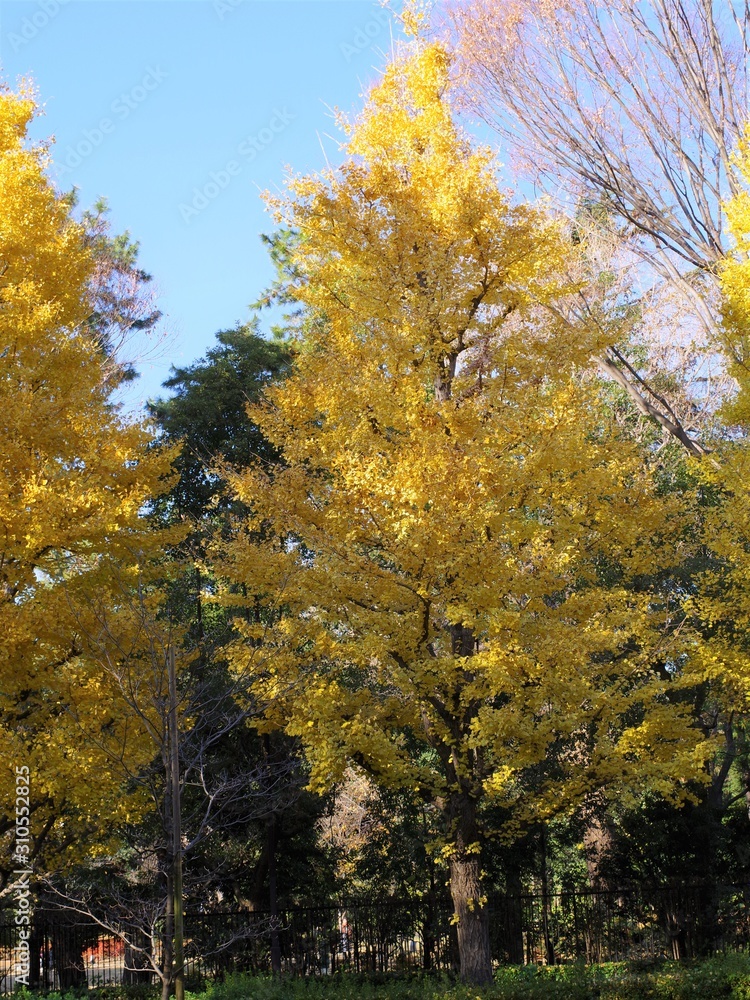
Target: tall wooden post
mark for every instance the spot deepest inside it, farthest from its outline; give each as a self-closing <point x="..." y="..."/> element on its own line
<point x="179" y="939"/>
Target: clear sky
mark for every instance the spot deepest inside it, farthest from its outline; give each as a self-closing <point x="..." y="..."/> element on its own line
<point x="180" y="112"/>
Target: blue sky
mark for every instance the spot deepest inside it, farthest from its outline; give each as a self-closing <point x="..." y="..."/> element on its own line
<point x="180" y="112"/>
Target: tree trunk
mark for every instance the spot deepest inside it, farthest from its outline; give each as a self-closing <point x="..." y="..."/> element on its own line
<point x="272" y="841"/>
<point x="598" y="845"/>
<point x="469" y="905"/>
<point x="167" y="955"/>
<point x="176" y="797"/>
<point x="430" y="925"/>
<point x="549" y="951"/>
<point x="273" y="901"/>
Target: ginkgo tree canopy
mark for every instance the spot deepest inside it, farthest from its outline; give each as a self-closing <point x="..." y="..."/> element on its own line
<point x="723" y="597"/>
<point x="458" y="596"/>
<point x="75" y="479"/>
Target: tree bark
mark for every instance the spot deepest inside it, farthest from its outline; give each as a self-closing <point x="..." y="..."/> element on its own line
<point x="549" y="951"/>
<point x="167" y="956"/>
<point x="273" y="902"/>
<point x="598" y="841"/>
<point x="429" y="939"/>
<point x="469" y="904"/>
<point x="178" y="915"/>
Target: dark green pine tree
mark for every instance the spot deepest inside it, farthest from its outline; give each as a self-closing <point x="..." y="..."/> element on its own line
<point x="207" y="412"/>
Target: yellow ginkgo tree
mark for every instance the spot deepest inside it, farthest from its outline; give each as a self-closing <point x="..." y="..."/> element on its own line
<point x="75" y="478"/>
<point x="457" y="596"/>
<point x="722" y="600"/>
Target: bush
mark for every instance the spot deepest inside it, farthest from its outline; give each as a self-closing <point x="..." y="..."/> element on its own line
<point x="714" y="979"/>
<point x="722" y="978"/>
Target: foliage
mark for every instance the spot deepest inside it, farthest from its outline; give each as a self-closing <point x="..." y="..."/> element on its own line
<point x="461" y="568"/>
<point x="714" y="979"/>
<point x="723" y="602"/>
<point x="602" y="102"/>
<point x="74" y="480"/>
<point x="428" y="492"/>
<point x="458" y="582"/>
<point x="735" y="281"/>
<point x="122" y="303"/>
<point x="207" y="414"/>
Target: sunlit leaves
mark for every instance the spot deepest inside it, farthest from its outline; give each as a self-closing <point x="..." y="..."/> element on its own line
<point x="75" y="479"/>
<point x="451" y="492"/>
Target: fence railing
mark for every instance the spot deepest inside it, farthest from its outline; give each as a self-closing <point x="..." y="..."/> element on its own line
<point x="387" y="935"/>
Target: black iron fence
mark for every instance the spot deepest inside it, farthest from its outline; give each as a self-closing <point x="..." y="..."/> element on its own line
<point x="67" y="951"/>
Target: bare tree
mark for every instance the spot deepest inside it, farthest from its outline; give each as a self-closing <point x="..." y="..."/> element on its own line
<point x="133" y="915"/>
<point x="124" y="321"/>
<point x="641" y="103"/>
<point x="636" y="106"/>
<point x="651" y="344"/>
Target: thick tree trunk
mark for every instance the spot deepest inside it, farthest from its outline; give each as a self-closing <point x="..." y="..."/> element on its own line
<point x="469" y="905"/>
<point x="598" y="847"/>
<point x="472" y="919"/>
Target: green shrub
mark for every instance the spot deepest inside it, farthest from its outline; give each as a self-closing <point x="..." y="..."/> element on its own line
<point x="722" y="978"/>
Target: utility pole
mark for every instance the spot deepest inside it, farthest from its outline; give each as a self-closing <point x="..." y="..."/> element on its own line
<point x="179" y="939"/>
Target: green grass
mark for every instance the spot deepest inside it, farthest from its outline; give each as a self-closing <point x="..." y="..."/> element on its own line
<point x="725" y="977"/>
